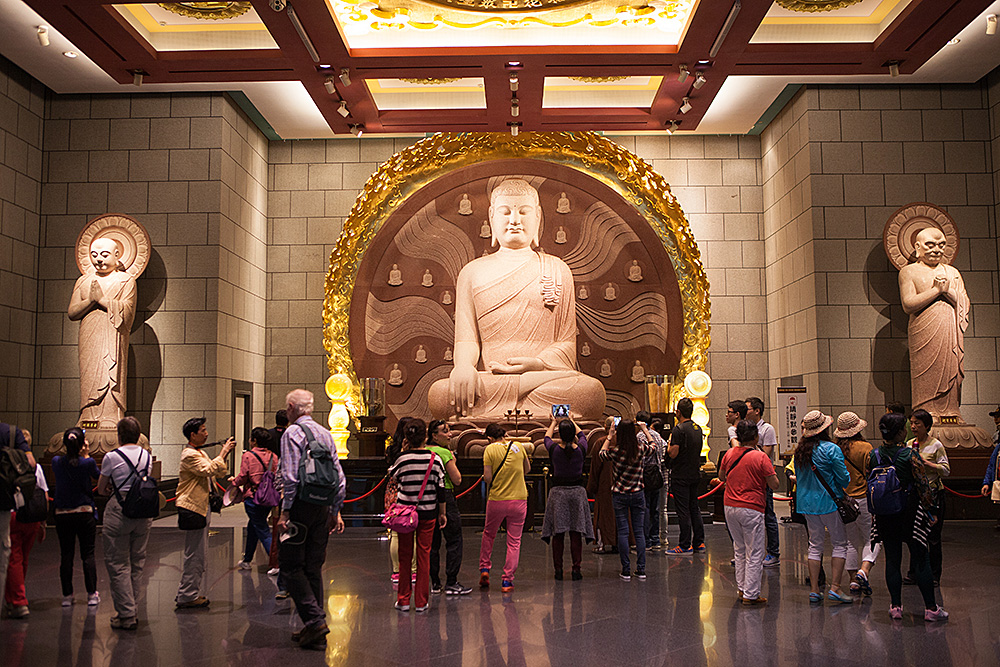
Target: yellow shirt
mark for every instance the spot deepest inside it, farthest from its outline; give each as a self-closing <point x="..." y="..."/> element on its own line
<point x="197" y="471"/>
<point x="508" y="479"/>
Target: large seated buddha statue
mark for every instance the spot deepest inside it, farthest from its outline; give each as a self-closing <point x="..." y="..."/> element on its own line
<point x="515" y="324"/>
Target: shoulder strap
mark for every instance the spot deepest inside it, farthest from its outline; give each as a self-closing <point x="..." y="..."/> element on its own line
<point x="737" y="461"/>
<point x="267" y="466"/>
<point x="133" y="471"/>
<point x="426" y="477"/>
<point x="848" y="459"/>
<point x="504" y="460"/>
<point x="822" y="481"/>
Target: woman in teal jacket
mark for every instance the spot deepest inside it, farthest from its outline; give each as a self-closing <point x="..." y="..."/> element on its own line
<point x="813" y="501"/>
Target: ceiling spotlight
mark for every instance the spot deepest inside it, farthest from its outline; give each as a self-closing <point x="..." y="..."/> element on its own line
<point x="953" y="42"/>
<point x="345" y="77"/>
<point x="357" y="130"/>
<point x="683" y="69"/>
<point x="991" y="24"/>
<point x="43" y="35"/>
<point x="686" y="105"/>
<point x="331" y="88"/>
<point x="343" y="110"/>
<point x="70" y="54"/>
<point x="515" y="109"/>
<point x="699" y="81"/>
<point x="324" y="66"/>
<point x="513" y="83"/>
<point x="514" y="64"/>
<point x="514" y="130"/>
<point x="672" y="127"/>
<point x="893" y="68"/>
<point x="137" y="79"/>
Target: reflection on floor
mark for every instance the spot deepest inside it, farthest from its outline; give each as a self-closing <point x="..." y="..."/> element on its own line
<point x="684" y="614"/>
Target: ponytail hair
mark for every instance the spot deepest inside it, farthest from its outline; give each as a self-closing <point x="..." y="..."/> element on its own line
<point x="73" y="440"/>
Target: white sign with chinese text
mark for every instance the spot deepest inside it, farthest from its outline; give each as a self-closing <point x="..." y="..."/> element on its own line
<point x="792" y="406"/>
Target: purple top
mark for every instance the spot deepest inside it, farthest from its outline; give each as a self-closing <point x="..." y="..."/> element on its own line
<point x="567" y="462"/>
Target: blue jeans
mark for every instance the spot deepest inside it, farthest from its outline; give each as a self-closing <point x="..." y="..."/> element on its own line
<point x="257" y="529"/>
<point x="634" y="505"/>
<point x="771" y="525"/>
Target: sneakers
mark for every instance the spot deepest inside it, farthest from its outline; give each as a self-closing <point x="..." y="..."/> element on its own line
<point x="244" y="565"/>
<point x="484" y="579"/>
<point x="625" y="575"/>
<point x="861" y="579"/>
<point x="701" y="548"/>
<point x="281" y="595"/>
<point x="313" y="634"/>
<point x="896" y="613"/>
<point x="200" y="602"/>
<point x="436" y="589"/>
<point x="506" y="585"/>
<point x="18" y="611"/>
<point x="577" y="575"/>
<point x="754" y="602"/>
<point x="771" y="561"/>
<point x="93" y="599"/>
<point x="457" y="589"/>
<point x="938" y="614"/>
<point x="421" y="610"/>
<point x="640" y="575"/>
<point x="402" y="607"/>
<point x="119" y="623"/>
<point x="273" y="572"/>
<point x="67" y="601"/>
<point x="677" y="551"/>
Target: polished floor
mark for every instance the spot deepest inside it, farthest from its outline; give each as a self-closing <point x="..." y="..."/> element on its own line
<point x="684" y="614"/>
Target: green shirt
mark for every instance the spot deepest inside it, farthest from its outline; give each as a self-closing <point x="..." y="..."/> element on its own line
<point x="445" y="455"/>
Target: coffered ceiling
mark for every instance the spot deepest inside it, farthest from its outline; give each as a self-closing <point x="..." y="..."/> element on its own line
<point x="319" y="68"/>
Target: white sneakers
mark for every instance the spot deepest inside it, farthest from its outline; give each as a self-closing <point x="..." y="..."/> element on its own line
<point x="93" y="599"/>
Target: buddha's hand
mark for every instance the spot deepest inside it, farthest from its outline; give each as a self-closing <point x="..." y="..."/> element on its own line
<point x="462" y="388"/>
<point x="516" y="365"/>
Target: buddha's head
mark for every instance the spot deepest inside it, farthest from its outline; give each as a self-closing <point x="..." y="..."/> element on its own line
<point x="515" y="215"/>
<point x="929" y="245"/>
<point x="104" y="255"/>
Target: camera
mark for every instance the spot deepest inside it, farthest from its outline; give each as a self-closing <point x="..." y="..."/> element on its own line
<point x="278" y="5"/>
<point x="560" y="411"/>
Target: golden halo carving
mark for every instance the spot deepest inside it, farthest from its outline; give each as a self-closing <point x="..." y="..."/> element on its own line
<point x="901" y="229"/>
<point x="130" y="236"/>
<point x="207" y="11"/>
<point x="815" y="5"/>
<point x="433" y="81"/>
<point x="598" y="79"/>
<point x="410" y="170"/>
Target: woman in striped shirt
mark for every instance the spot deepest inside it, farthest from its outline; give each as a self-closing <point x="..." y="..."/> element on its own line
<point x="409" y="471"/>
<point x="624" y="450"/>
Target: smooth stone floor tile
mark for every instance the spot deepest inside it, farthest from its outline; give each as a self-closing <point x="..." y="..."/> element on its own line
<point x="686" y="613"/>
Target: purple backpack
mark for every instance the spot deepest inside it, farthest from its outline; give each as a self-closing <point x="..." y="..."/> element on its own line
<point x="266" y="493"/>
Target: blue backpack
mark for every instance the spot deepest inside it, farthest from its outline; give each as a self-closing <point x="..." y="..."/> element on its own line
<point x="886" y="495"/>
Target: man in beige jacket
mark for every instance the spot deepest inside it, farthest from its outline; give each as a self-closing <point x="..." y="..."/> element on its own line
<point x="196" y="476"/>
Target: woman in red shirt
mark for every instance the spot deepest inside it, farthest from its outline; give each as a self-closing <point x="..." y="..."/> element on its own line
<point x="254" y="463"/>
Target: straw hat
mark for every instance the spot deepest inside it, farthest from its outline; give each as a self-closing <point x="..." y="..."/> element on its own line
<point x="848" y="424"/>
<point x="814" y="423"/>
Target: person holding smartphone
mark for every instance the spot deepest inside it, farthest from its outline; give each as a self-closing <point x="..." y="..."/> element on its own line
<point x="567" y="509"/>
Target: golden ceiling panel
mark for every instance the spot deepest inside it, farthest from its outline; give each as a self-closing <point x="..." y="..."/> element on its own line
<point x="815" y="5"/>
<point x="208" y="11"/>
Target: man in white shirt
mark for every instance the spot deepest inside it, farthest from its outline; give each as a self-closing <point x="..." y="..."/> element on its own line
<point x="768" y="441"/>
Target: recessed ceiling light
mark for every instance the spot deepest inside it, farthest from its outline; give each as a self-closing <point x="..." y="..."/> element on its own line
<point x="953" y="42"/>
<point x="70" y="54"/>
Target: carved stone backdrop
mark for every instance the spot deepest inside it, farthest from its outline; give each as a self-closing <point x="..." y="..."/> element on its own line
<point x="628" y="302"/>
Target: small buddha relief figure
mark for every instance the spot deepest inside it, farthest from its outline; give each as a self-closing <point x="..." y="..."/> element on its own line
<point x="560" y="236"/>
<point x="635" y="272"/>
<point x="465" y="206"/>
<point x="486" y="251"/>
<point x="484" y="231"/>
<point x="395" y="376"/>
<point x="395" y="276"/>
<point x="584" y="293"/>
<point x="448" y="355"/>
<point x="605" y="368"/>
<point x="421" y="356"/>
<point x="446" y="298"/>
<point x="610" y="292"/>
<point x="638" y="373"/>
<point x="562" y="206"/>
<point x="428" y="279"/>
<point x="585" y="350"/>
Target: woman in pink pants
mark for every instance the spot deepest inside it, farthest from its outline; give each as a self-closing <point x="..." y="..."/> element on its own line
<point x="505" y="463"/>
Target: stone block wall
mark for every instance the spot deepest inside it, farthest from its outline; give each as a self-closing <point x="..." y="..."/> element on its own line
<point x="22" y="106"/>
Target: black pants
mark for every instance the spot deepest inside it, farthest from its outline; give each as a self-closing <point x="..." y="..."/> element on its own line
<point x="453" y="538"/>
<point x="933" y="543"/>
<point x="80" y="526"/>
<point x="688" y="513"/>
<point x="301" y="559"/>
<point x="894" y="530"/>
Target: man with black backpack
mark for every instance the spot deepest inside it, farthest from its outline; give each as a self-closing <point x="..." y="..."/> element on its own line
<point x="314" y="488"/>
<point x="125" y="537"/>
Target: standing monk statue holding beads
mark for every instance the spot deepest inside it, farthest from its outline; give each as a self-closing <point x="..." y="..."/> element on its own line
<point x="515" y="312"/>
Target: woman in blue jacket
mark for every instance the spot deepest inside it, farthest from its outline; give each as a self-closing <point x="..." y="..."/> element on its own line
<point x="813" y="501"/>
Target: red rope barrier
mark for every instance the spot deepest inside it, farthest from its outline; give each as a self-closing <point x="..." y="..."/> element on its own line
<point x="962" y="495"/>
<point x="374" y="488"/>
<point x="474" y="485"/>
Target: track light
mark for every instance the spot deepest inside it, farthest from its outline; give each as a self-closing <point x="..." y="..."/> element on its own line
<point x="43" y="33"/>
<point x="699" y="81"/>
<point x="515" y="109"/>
<point x="343" y="110"/>
<point x="301" y="30"/>
<point x="893" y="68"/>
<point x="345" y="77"/>
<point x="357" y="130"/>
<point x="672" y="127"/>
<point x="137" y="79"/>
<point x="726" y="27"/>
<point x="682" y="77"/>
<point x="686" y="105"/>
<point x="513" y="130"/>
<point x="991" y="24"/>
<point x="513" y="83"/>
<point x="329" y="85"/>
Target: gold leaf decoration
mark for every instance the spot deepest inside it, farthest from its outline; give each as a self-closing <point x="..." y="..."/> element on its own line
<point x="815" y="5"/>
<point x="432" y="81"/>
<point x="209" y="11"/>
<point x="598" y="79"/>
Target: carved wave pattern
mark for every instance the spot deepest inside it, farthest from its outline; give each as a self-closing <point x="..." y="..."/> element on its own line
<point x="429" y="236"/>
<point x="603" y="235"/>
<point x="416" y="402"/>
<point x="391" y="324"/>
<point x="620" y="403"/>
<point x="642" y="321"/>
